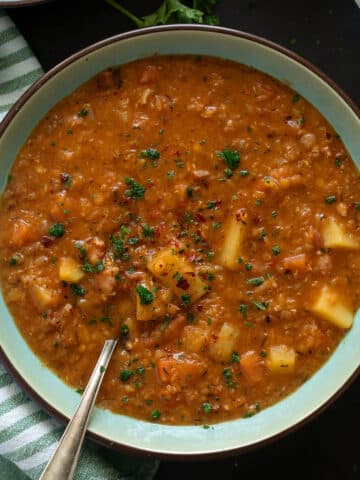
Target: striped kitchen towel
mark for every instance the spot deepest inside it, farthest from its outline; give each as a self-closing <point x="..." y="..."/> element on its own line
<point x="28" y="436"/>
<point x="18" y="67"/>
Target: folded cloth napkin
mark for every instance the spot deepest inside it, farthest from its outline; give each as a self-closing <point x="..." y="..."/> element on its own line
<point x="28" y="436"/>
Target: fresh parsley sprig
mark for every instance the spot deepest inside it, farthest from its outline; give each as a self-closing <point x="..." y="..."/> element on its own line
<point x="173" y="11"/>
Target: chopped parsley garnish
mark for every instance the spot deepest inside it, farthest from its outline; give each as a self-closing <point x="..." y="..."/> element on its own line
<point x="83" y="112"/>
<point x="189" y="192"/>
<point x="133" y="240"/>
<point x="230" y="157"/>
<point x="189" y="217"/>
<point x="227" y="375"/>
<point x="147" y="231"/>
<point x="331" y="199"/>
<point x="146" y="296"/>
<point x="276" y="250"/>
<point x="136" y="190"/>
<point x="216" y="225"/>
<point x="248" y="266"/>
<point x="248" y="325"/>
<point x="77" y="290"/>
<point x="150" y="153"/>
<point x="357" y="205"/>
<point x="57" y="230"/>
<point x="244" y="173"/>
<point x="155" y="414"/>
<point x="211" y="204"/>
<point x="124" y="231"/>
<point x="125" y="375"/>
<point x="243" y="309"/>
<point x="90" y="268"/>
<point x="68" y="181"/>
<point x="118" y="244"/>
<point x="14" y="259"/>
<point x="140" y="371"/>
<point x="262" y="234"/>
<point x="296" y="98"/>
<point x="228" y="173"/>
<point x="256" y="281"/>
<point x="206" y="407"/>
<point x="124" y="331"/>
<point x="338" y="162"/>
<point x="262" y="353"/>
<point x="81" y="249"/>
<point x="186" y="299"/>
<point x="235" y="357"/>
<point x="170" y="174"/>
<point x="274" y="213"/>
<point x="260" y="305"/>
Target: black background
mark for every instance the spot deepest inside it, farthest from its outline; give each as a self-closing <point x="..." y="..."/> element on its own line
<point x="327" y="33"/>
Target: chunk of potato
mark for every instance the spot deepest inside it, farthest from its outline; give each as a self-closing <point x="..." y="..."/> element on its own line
<point x="177" y="274"/>
<point x="158" y="307"/>
<point x="43" y="297"/>
<point x="22" y="233"/>
<point x="194" y="339"/>
<point x="281" y="359"/>
<point x="329" y="307"/>
<point x="224" y="343"/>
<point x="335" y="236"/>
<point x="232" y="245"/>
<point x="70" y="270"/>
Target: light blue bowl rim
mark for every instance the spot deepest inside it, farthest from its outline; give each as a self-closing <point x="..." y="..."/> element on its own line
<point x="50" y="74"/>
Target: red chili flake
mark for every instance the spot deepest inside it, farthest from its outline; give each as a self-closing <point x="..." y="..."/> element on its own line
<point x="46" y="241"/>
<point x="256" y="219"/>
<point x="124" y="199"/>
<point x="183" y="284"/>
<point x="64" y="177"/>
<point x="241" y="215"/>
<point x="199" y="217"/>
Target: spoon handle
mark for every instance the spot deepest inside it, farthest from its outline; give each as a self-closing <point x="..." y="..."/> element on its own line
<point x="63" y="462"/>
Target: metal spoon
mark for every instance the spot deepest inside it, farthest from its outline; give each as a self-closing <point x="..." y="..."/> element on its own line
<point x="63" y="462"/>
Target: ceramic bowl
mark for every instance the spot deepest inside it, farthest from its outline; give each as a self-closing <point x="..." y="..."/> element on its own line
<point x="127" y="433"/>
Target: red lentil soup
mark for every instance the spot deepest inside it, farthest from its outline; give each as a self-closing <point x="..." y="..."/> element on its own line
<point x="200" y="211"/>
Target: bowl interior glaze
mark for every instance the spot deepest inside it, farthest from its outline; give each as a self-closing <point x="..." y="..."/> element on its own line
<point x="125" y="432"/>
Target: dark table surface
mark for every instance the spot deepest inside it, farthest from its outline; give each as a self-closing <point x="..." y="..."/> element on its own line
<point x="327" y="33"/>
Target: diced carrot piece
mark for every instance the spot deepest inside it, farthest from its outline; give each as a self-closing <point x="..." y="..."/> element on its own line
<point x="296" y="262"/>
<point x="176" y="371"/>
<point x="252" y="366"/>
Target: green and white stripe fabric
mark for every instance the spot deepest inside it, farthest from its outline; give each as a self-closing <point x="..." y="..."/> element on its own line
<point x="28" y="436"/>
<point x="18" y="67"/>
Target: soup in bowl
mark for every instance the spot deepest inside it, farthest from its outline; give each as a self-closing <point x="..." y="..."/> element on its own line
<point x="201" y="211"/>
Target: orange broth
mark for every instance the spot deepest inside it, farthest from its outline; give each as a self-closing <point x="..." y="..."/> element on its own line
<point x="200" y="211"/>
